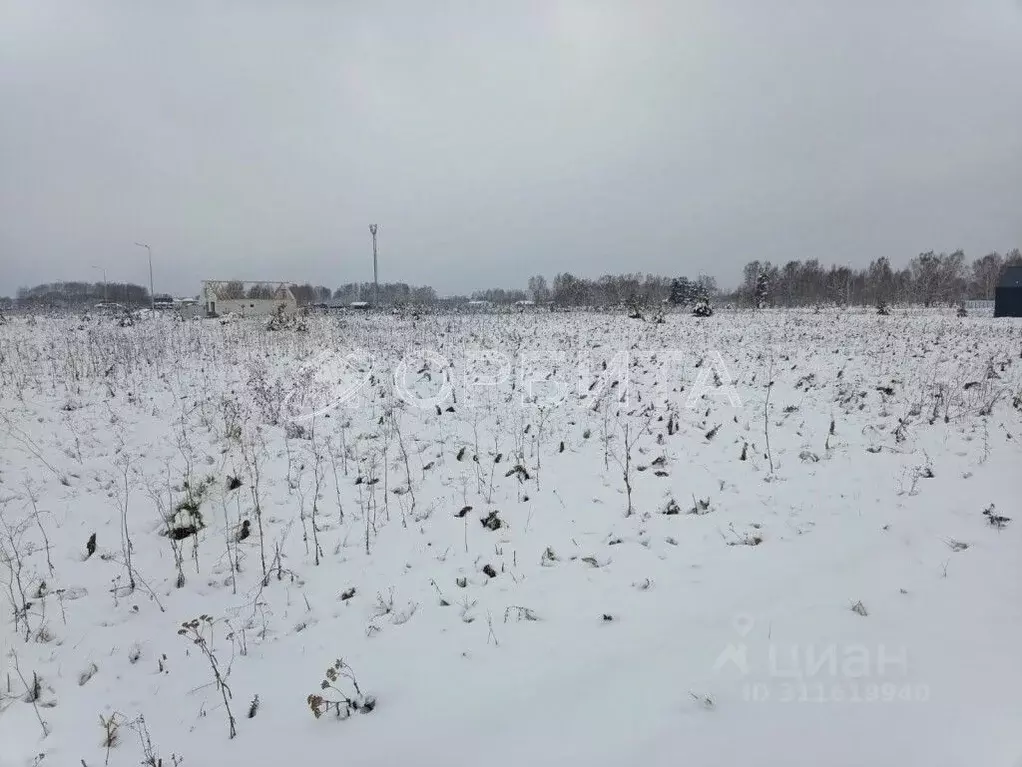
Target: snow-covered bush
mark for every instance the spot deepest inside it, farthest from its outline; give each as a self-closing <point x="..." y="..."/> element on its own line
<point x="342" y="702"/>
<point x="702" y="309"/>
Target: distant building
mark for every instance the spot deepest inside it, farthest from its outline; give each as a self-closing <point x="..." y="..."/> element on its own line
<point x="247" y="299"/>
<point x="1008" y="295"/>
<point x="979" y="307"/>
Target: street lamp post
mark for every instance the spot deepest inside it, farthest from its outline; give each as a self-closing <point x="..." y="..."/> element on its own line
<point x="152" y="295"/>
<point x="105" y="283"/>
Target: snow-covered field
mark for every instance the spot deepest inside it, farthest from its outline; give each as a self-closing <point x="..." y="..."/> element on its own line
<point x="776" y="538"/>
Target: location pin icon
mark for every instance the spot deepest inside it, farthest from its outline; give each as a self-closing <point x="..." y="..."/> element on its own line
<point x="743" y="624"/>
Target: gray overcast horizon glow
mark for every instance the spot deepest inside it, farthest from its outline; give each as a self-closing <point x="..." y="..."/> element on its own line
<point x="491" y="141"/>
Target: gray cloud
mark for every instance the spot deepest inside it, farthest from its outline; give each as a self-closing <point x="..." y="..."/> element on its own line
<point x="491" y="141"/>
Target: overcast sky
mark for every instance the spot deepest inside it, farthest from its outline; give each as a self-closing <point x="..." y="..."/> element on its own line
<point x="257" y="140"/>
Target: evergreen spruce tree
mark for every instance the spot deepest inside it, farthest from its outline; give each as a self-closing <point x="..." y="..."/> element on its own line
<point x="762" y="290"/>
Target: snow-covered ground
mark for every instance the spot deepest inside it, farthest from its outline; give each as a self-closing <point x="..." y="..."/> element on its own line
<point x="774" y="538"/>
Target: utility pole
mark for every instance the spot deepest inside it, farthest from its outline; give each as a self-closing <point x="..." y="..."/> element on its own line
<point x="376" y="273"/>
<point x="105" y="283"/>
<point x="152" y="296"/>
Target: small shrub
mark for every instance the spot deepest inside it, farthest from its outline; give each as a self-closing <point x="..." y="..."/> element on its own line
<point x="995" y="520"/>
<point x="520" y="614"/>
<point x="702" y="309"/>
<point x="282" y="320"/>
<point x="244" y="531"/>
<point x="343" y="703"/>
<point x="700" y="506"/>
<point x="87" y="674"/>
<point x="492" y="521"/>
<point x="111" y="731"/>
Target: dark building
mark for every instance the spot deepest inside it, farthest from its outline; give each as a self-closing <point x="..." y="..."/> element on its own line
<point x="1008" y="296"/>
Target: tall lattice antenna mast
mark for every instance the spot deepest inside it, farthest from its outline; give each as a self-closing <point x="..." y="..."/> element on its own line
<point x="376" y="273"/>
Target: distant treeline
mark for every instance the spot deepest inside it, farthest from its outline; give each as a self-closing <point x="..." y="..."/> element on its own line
<point x="929" y="278"/>
<point x="80" y="294"/>
<point x="614" y="290"/>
